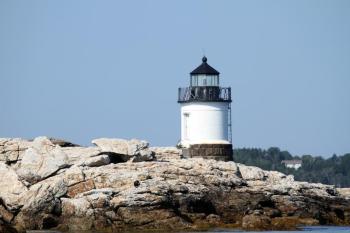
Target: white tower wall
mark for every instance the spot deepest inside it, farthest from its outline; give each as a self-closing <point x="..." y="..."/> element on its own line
<point x="204" y="123"/>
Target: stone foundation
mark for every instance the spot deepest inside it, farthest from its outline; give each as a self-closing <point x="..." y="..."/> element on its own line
<point x="220" y="152"/>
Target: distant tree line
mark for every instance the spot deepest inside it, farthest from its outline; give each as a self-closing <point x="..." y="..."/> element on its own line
<point x="334" y="170"/>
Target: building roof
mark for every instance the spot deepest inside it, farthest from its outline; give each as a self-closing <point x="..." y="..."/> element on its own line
<point x="205" y="68"/>
<point x="292" y="161"/>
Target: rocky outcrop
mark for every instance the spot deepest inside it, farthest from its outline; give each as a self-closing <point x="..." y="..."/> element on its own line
<point x="133" y="150"/>
<point x="41" y="160"/>
<point x="12" y="149"/>
<point x="166" y="153"/>
<point x="124" y="184"/>
<point x="10" y="189"/>
<point x="62" y="143"/>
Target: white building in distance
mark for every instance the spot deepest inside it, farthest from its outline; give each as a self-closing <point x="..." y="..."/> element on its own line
<point x="296" y="164"/>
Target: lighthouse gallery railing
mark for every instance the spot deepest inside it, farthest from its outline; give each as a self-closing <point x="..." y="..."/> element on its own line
<point x="204" y="93"/>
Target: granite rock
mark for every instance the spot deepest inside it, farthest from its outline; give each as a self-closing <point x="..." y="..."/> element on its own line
<point x="12" y="149"/>
<point x="10" y="187"/>
<point x="166" y="153"/>
<point x="125" y="150"/>
<point x="93" y="188"/>
<point x="41" y="160"/>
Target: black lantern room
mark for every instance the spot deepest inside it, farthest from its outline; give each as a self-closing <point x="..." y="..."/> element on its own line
<point x="204" y="86"/>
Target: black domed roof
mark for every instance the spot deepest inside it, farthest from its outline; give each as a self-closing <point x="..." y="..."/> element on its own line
<point x="205" y="68"/>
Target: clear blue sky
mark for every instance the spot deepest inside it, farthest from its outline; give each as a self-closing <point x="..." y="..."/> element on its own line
<point x="80" y="70"/>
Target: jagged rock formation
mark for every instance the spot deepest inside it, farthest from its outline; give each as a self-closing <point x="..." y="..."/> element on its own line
<point x="167" y="153"/>
<point x="120" y="184"/>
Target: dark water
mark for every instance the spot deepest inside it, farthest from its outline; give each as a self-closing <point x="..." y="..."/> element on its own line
<point x="316" y="229"/>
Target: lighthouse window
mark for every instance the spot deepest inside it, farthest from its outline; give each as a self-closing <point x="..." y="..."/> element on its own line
<point x="194" y="80"/>
<point x="204" y="80"/>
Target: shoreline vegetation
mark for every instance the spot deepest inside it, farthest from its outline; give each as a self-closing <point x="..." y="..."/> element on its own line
<point x="315" y="169"/>
<point x="119" y="185"/>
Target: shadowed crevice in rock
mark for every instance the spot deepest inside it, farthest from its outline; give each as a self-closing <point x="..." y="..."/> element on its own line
<point x="115" y="157"/>
<point x="267" y="203"/>
<point x="339" y="213"/>
<point x="201" y="206"/>
<point x="62" y="143"/>
<point x="173" y="204"/>
<point x="7" y="228"/>
<point x="9" y="162"/>
<point x="49" y="222"/>
<point x="321" y="218"/>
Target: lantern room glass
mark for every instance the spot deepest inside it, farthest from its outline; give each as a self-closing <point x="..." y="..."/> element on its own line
<point x="204" y="80"/>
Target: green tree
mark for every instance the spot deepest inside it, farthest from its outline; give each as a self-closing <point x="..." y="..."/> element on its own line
<point x="334" y="170"/>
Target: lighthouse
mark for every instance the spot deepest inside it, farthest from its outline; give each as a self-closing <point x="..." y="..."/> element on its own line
<point x="205" y="115"/>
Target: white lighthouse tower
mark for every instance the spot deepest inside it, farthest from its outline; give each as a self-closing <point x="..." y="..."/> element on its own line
<point x="206" y="115"/>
